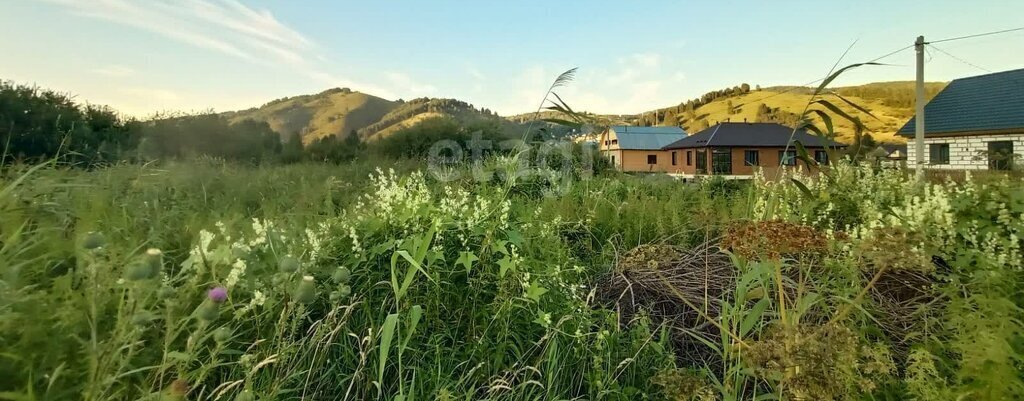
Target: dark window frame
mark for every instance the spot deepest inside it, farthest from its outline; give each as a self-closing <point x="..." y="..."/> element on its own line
<point x="721" y="161"/>
<point x="787" y="158"/>
<point x="938" y="153"/>
<point x="675" y="160"/>
<point x="689" y="157"/>
<point x="747" y="161"/>
<point x="652" y="159"/>
<point x="821" y="156"/>
<point x="1000" y="155"/>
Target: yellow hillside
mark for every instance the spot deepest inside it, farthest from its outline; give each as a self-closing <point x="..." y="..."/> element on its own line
<point x="883" y="128"/>
<point x="890" y="103"/>
<point x="332" y="112"/>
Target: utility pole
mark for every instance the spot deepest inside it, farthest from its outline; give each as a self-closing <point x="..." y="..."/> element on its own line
<point x="919" y="109"/>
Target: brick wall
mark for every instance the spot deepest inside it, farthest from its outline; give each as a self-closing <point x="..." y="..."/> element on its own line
<point x="965" y="151"/>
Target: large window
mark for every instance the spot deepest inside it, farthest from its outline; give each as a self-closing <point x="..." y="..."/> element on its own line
<point x="652" y="159"/>
<point x="702" y="161"/>
<point x="788" y="158"/>
<point x="751" y="158"/>
<point x="1000" y="155"/>
<point x="674" y="158"/>
<point x="721" y="161"/>
<point x="821" y="157"/>
<point x="689" y="157"/>
<point x="938" y="153"/>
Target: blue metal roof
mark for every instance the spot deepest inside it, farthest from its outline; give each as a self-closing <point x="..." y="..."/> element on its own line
<point x="983" y="103"/>
<point x="646" y="138"/>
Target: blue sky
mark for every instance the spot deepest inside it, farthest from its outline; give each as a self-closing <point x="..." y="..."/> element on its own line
<point x="161" y="55"/>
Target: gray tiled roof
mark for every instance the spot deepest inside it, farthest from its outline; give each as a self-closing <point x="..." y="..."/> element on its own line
<point x="983" y="103"/>
<point x="646" y="138"/>
<point x="750" y="135"/>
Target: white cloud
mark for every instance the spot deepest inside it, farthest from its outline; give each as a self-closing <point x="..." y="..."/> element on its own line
<point x="630" y="84"/>
<point x="233" y="29"/>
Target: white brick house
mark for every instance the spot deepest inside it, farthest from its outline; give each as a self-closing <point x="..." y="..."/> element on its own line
<point x="975" y="123"/>
<point x="966" y="152"/>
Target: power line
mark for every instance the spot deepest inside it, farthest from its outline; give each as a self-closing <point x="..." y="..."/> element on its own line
<point x="891" y="53"/>
<point x="959" y="59"/>
<point x="804" y="86"/>
<point x="977" y="35"/>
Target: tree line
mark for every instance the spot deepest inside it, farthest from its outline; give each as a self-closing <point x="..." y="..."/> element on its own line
<point x="687" y="111"/>
<point x="38" y="125"/>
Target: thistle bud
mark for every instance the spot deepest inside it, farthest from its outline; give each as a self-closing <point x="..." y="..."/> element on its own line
<point x="345" y="291"/>
<point x="208" y="311"/>
<point x="178" y="389"/>
<point x="93" y="240"/>
<point x="139" y="270"/>
<point x="222" y="335"/>
<point x="146" y="267"/>
<point x="306" y="290"/>
<point x="288" y="264"/>
<point x="217" y="294"/>
<point x="245" y="395"/>
<point x="155" y="259"/>
<point x="342" y="275"/>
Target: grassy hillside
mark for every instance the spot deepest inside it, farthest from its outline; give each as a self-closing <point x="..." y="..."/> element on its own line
<point x="410" y="113"/>
<point x="340" y="111"/>
<point x="891" y="102"/>
<point x="331" y="112"/>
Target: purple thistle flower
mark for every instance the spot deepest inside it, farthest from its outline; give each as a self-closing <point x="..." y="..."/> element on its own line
<point x="217" y="294"/>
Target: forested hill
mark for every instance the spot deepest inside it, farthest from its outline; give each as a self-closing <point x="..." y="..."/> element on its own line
<point x="891" y="103"/>
<point x="341" y="111"/>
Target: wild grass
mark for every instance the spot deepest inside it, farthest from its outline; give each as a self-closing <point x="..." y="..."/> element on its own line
<point x="215" y="281"/>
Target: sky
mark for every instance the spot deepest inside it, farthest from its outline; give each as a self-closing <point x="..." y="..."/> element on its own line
<point x="146" y="56"/>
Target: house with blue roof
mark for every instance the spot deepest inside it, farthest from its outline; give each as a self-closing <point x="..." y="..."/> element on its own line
<point x="974" y="123"/>
<point x="639" y="149"/>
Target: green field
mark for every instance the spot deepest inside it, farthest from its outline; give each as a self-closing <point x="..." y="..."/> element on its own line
<point x="349" y="282"/>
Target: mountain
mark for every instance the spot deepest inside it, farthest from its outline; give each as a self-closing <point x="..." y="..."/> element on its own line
<point x="891" y="103"/>
<point x="340" y="111"/>
<point x="331" y="112"/>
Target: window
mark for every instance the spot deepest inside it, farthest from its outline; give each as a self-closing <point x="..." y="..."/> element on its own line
<point x="652" y="159"/>
<point x="702" y="162"/>
<point x="821" y="157"/>
<point x="788" y="158"/>
<point x="689" y="157"/>
<point x="751" y="158"/>
<point x="1000" y="155"/>
<point x="938" y="153"/>
<point x="613" y="160"/>
<point x="615" y="141"/>
<point x="674" y="158"/>
<point x="605" y="142"/>
<point x="721" y="161"/>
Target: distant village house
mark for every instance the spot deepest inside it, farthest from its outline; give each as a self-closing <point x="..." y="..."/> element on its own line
<point x="729" y="149"/>
<point x="975" y="123"/>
